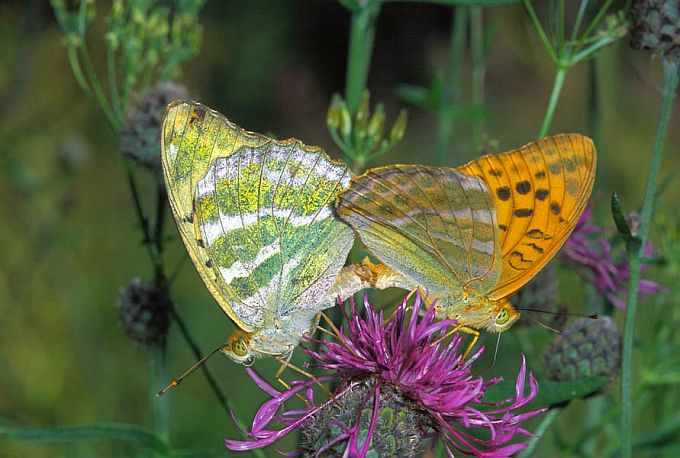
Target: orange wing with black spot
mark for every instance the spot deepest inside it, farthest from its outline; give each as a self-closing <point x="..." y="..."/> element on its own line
<point x="540" y="191"/>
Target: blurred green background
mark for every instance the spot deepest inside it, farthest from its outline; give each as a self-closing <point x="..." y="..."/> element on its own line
<point x="68" y="234"/>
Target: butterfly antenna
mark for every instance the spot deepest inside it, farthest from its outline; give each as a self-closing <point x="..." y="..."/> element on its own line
<point x="548" y="312"/>
<point x="188" y="372"/>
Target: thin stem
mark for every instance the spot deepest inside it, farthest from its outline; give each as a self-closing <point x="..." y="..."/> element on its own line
<point x="361" y="38"/>
<point x="596" y="20"/>
<point x="141" y="216"/>
<point x="445" y="121"/>
<point x="161" y="203"/>
<point x="113" y="81"/>
<point x="478" y="71"/>
<point x="97" y="90"/>
<point x="539" y="29"/>
<point x="579" y="19"/>
<point x="671" y="76"/>
<point x="160" y="408"/>
<point x="548" y="419"/>
<point x="558" y="83"/>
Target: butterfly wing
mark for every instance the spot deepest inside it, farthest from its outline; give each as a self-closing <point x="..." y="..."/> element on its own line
<point x="254" y="213"/>
<point x="540" y="191"/>
<point x="434" y="226"/>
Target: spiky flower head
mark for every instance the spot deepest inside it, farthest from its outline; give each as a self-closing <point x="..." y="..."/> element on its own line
<point x="656" y="27"/>
<point x="144" y="311"/>
<point x="391" y="369"/>
<point x="586" y="348"/>
<point x="140" y="138"/>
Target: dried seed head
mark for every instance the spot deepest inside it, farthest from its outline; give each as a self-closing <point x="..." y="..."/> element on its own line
<point x="140" y="138"/>
<point x="144" y="311"/>
<point x="655" y="27"/>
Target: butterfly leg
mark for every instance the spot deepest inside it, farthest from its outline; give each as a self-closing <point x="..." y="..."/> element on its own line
<point x="286" y="363"/>
<point x="461" y="328"/>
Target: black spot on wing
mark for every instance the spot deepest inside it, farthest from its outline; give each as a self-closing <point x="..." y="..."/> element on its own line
<point x="523" y="212"/>
<point x="495" y="172"/>
<point x="538" y="234"/>
<point x="541" y="194"/>
<point x="536" y="248"/>
<point x="555" y="208"/>
<point x="523" y="187"/>
<point x="503" y="193"/>
<point x="517" y="260"/>
<point x="540" y="175"/>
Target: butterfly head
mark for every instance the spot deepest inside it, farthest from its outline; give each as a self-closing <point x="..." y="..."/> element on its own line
<point x="238" y="349"/>
<point x="504" y="316"/>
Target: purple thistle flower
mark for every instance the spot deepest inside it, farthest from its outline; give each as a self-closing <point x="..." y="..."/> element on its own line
<point x="589" y="252"/>
<point x="392" y="374"/>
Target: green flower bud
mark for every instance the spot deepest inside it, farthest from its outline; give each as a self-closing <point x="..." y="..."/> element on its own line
<point x="399" y="127"/>
<point x="586" y="348"/>
<point x="376" y="125"/>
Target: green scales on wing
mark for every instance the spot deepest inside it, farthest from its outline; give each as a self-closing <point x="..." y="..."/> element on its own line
<point x="435" y="228"/>
<point x="256" y="217"/>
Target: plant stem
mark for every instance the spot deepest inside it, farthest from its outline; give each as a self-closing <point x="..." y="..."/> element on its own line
<point x="449" y="94"/>
<point x="670" y="72"/>
<point x="558" y="83"/>
<point x="160" y="408"/>
<point x="478" y="72"/>
<point x="549" y="418"/>
<point x="361" y="38"/>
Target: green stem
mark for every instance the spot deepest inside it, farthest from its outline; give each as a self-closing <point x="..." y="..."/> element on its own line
<point x="558" y="83"/>
<point x="478" y="72"/>
<point x="539" y="29"/>
<point x="113" y="82"/>
<point x="160" y="408"/>
<point x="141" y="216"/>
<point x="671" y="76"/>
<point x="449" y="94"/>
<point x="77" y="433"/>
<point x="548" y="420"/>
<point x="361" y="38"/>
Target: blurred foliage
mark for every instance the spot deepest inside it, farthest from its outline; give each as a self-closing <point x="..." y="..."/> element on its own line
<point x="70" y="238"/>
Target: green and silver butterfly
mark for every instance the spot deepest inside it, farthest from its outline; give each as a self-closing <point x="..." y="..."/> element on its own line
<point x="256" y="217"/>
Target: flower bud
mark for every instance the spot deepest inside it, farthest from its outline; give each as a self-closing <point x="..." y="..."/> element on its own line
<point x="586" y="348"/>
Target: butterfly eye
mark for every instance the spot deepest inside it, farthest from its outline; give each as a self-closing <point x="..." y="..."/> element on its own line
<point x="249" y="361"/>
<point x="240" y="348"/>
<point x="502" y="317"/>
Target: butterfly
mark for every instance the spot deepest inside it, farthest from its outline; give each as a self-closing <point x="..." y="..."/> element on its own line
<point x="256" y="217"/>
<point x="474" y="235"/>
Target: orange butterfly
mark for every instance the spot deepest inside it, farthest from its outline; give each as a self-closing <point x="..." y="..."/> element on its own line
<point x="472" y="236"/>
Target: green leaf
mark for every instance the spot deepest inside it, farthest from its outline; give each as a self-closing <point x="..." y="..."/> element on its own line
<point x="549" y="393"/>
<point x="72" y="433"/>
<point x="633" y="242"/>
